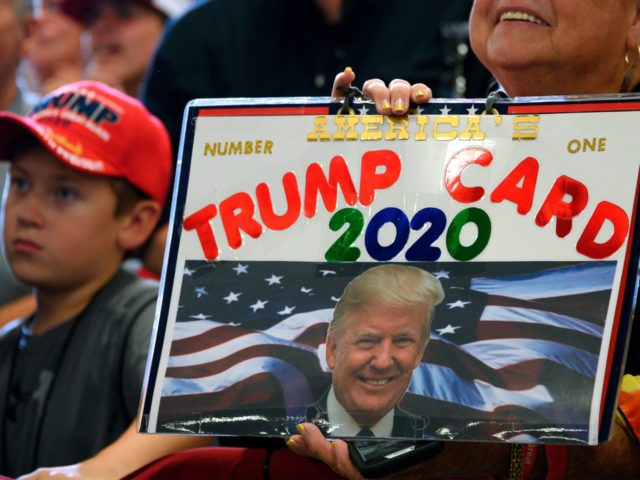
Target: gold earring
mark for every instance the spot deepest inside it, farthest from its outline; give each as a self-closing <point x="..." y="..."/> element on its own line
<point x="626" y="56"/>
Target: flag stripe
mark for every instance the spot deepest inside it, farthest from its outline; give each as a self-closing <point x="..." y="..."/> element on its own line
<point x="577" y="279"/>
<point x="442" y="383"/>
<point x="303" y="359"/>
<point x="498" y="353"/>
<point x="488" y="330"/>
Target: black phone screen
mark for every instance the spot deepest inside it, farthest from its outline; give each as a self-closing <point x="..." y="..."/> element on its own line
<point x="377" y="458"/>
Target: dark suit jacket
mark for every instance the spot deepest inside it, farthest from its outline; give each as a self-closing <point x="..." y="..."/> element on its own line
<point x="405" y="424"/>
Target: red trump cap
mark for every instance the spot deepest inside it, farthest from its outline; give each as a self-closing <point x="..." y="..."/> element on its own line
<point x="97" y="129"/>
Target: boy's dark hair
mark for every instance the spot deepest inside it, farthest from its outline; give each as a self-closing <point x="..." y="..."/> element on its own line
<point x="127" y="196"/>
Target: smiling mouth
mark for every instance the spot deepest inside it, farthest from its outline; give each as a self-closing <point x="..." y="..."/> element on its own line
<point x="522" y="17"/>
<point x="376" y="382"/>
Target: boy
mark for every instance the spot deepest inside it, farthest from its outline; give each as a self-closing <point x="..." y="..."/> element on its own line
<point x="90" y="168"/>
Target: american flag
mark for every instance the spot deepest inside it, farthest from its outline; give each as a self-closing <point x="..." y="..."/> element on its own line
<point x="514" y="347"/>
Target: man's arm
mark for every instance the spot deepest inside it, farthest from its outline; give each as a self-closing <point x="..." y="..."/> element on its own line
<point x="129" y="452"/>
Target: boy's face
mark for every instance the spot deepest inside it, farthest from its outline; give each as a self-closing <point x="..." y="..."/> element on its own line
<point x="60" y="230"/>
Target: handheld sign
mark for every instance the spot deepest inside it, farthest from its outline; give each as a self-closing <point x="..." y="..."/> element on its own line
<point x="525" y="215"/>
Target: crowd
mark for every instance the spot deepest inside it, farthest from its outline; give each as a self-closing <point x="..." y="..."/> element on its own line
<point x="85" y="208"/>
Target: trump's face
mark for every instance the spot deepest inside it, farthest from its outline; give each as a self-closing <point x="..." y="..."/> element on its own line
<point x="373" y="356"/>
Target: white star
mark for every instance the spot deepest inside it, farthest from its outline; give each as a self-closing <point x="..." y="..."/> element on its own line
<point x="200" y="316"/>
<point x="335" y="299"/>
<point x="327" y="272"/>
<point x="364" y="110"/>
<point x="441" y="274"/>
<point x="473" y="110"/>
<point x="200" y="291"/>
<point x="306" y="290"/>
<point x="419" y="110"/>
<point x="188" y="271"/>
<point x="232" y="297"/>
<point x="259" y="305"/>
<point x="273" y="279"/>
<point x="457" y="304"/>
<point x="445" y="110"/>
<point x="286" y="310"/>
<point x="241" y="269"/>
<point x="448" y="329"/>
<point x="235" y="324"/>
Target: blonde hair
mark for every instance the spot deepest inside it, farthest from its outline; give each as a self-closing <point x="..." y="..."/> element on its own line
<point x="395" y="285"/>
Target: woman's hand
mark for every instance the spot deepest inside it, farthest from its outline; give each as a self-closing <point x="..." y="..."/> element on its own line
<point x="334" y="453"/>
<point x="392" y="100"/>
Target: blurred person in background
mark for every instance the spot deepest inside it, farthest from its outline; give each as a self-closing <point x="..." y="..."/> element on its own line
<point x="123" y="35"/>
<point x="55" y="47"/>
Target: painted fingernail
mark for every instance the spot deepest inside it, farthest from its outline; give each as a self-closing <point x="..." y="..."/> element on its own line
<point x="420" y="94"/>
<point x="300" y="428"/>
<point x="290" y="442"/>
<point x="385" y="105"/>
<point x="398" y="106"/>
<point x="348" y="70"/>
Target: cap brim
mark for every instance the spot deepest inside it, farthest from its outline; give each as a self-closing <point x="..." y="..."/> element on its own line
<point x="15" y="129"/>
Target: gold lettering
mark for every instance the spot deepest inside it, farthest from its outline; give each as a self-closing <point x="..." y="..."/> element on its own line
<point x="602" y="144"/>
<point x="451" y="120"/>
<point x="372" y="124"/>
<point x="397" y="128"/>
<point x="473" y="131"/>
<point x="585" y="145"/>
<point x="589" y="144"/>
<point x="525" y="127"/>
<point x="209" y="149"/>
<point x="350" y="121"/>
<point x="268" y="144"/>
<point x="236" y="148"/>
<point x="422" y="121"/>
<point x="574" y="146"/>
<point x="319" y="131"/>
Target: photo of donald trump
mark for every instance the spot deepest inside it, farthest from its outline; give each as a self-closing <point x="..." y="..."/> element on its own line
<point x="378" y="334"/>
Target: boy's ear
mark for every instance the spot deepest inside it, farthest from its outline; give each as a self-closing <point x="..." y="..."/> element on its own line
<point x="138" y="224"/>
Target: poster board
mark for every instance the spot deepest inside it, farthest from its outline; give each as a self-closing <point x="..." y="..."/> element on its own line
<point x="526" y="214"/>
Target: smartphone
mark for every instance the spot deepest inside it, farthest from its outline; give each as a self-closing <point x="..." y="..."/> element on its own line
<point x="377" y="458"/>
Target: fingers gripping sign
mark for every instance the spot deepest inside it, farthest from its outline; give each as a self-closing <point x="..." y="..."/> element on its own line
<point x="342" y="82"/>
<point x="334" y="453"/>
<point x="394" y="99"/>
